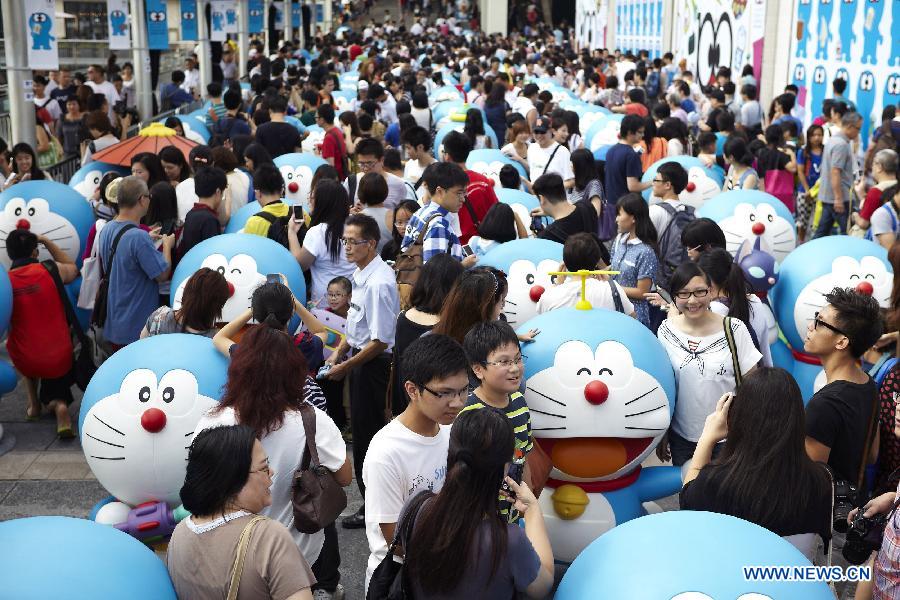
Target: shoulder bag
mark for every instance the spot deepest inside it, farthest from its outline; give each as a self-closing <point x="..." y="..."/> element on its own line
<point x="732" y="347"/>
<point x="389" y="578"/>
<point x="237" y="569"/>
<point x="83" y="366"/>
<point x="317" y="498"/>
<point x="550" y="160"/>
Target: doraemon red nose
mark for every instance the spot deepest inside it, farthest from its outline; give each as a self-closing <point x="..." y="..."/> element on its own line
<point x="23" y="224"/>
<point x="153" y="420"/>
<point x="596" y="392"/>
<point x="230" y="289"/>
<point x="865" y="288"/>
<point x="758" y="228"/>
<point x="293" y="187"/>
<point x="536" y="292"/>
<point x="691" y="186"/>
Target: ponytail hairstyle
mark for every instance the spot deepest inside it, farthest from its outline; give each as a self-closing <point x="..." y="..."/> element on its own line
<point x="729" y="278"/>
<point x="481" y="444"/>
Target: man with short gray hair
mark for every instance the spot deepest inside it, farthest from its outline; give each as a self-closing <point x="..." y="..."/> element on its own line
<point x="885" y="222"/>
<point x="837" y="173"/>
<point x="134" y="263"/>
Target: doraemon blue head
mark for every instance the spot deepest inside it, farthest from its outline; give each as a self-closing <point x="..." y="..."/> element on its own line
<point x="521" y="202"/>
<point x="89" y="561"/>
<point x="297" y="170"/>
<point x="139" y="413"/>
<point x="40" y="25"/>
<point x="50" y="209"/>
<point x="706" y="561"/>
<point x="703" y="182"/>
<point x="526" y="264"/>
<point x="86" y="180"/>
<point x="7" y="373"/>
<point x="489" y="163"/>
<point x="590" y="114"/>
<point x="315" y="135"/>
<point x="195" y="129"/>
<point x="745" y="215"/>
<point x="604" y="131"/>
<point x="239" y="219"/>
<point x="459" y="126"/>
<point x="244" y="260"/>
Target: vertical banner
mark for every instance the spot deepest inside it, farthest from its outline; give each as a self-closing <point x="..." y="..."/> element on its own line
<point x="231" y="19"/>
<point x="295" y="14"/>
<point x="43" y="52"/>
<point x="279" y="14"/>
<point x="189" y="31"/>
<point x="217" y="29"/>
<point x="255" y="12"/>
<point x="157" y="25"/>
<point x="119" y="29"/>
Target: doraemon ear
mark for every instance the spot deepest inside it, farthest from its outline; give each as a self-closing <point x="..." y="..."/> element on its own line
<point x="844" y="266"/>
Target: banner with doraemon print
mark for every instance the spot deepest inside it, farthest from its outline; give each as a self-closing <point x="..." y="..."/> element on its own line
<point x="157" y="25"/>
<point x="256" y="14"/>
<point x="278" y="7"/>
<point x="639" y="26"/>
<point x="590" y="23"/>
<point x="217" y="26"/>
<point x="119" y="24"/>
<point x="231" y="18"/>
<point x="189" y="30"/>
<point x="856" y="40"/>
<point x="296" y="9"/>
<point x="719" y="33"/>
<point x="43" y="51"/>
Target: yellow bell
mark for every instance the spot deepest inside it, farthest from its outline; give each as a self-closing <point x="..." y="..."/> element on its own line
<point x="569" y="501"/>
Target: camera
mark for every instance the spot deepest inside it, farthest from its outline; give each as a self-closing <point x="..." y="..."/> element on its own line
<point x="121" y="109"/>
<point x="863" y="537"/>
<point x="844" y="501"/>
<point x="323" y="371"/>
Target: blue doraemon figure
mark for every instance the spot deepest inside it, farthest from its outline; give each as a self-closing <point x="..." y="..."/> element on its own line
<point x="804" y="13"/>
<point x="703" y="182"/>
<point x="745" y="215"/>
<point x="894" y="58"/>
<point x="872" y="15"/>
<point x="239" y="219"/>
<point x="489" y="163"/>
<point x="41" y="27"/>
<point x="244" y="260"/>
<point x="845" y="27"/>
<point x="46" y="208"/>
<point x="89" y="561"/>
<point x="806" y="275"/>
<point x="522" y="204"/>
<point x="8" y="375"/>
<point x="601" y="394"/>
<point x="825" y="10"/>
<point x="117" y="20"/>
<point x="526" y="264"/>
<point x="706" y="561"/>
<point x="819" y="89"/>
<point x="865" y="102"/>
<point x="231" y="16"/>
<point x="86" y="180"/>
<point x="297" y="170"/>
<point x="459" y="126"/>
<point x="891" y="89"/>
<point x="138" y="416"/>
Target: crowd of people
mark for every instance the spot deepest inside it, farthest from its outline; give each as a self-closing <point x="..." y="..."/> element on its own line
<point x="433" y="373"/>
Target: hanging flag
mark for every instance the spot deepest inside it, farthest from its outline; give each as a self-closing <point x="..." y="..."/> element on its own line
<point x="295" y="15"/>
<point x="279" y="14"/>
<point x="231" y="19"/>
<point x="189" y="32"/>
<point x="119" y="29"/>
<point x="157" y="25"/>
<point x="255" y="11"/>
<point x="43" y="52"/>
<point x="218" y="9"/>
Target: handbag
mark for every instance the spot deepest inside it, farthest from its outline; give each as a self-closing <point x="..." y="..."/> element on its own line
<point x="91" y="272"/>
<point x="83" y="364"/>
<point x="732" y="347"/>
<point x="317" y="498"/>
<point x="606" y="224"/>
<point x="388" y="580"/>
<point x="237" y="569"/>
<point x="780" y="183"/>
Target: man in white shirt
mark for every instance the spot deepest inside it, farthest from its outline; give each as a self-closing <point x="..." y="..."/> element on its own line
<point x="386" y="103"/>
<point x="97" y="82"/>
<point x="417" y="28"/>
<point x="371" y="320"/>
<point x="417" y="143"/>
<point x="409" y="455"/>
<point x="547" y="156"/>
<point x="524" y="104"/>
<point x="669" y="181"/>
<point x="191" y="75"/>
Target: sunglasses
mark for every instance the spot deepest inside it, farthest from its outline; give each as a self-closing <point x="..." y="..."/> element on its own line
<point x="817" y="321"/>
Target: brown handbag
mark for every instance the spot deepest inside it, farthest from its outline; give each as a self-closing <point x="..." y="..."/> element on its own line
<point x="318" y="499"/>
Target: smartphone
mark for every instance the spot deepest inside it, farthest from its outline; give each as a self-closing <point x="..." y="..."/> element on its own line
<point x="467" y="250"/>
<point x="665" y="295"/>
<point x="273" y="278"/>
<point x="167" y="229"/>
<point x="298" y="213"/>
<point x="537" y="224"/>
<point x="516" y="470"/>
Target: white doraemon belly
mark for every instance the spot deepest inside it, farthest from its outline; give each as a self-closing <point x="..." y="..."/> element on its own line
<point x="241" y="272"/>
<point x="569" y="537"/>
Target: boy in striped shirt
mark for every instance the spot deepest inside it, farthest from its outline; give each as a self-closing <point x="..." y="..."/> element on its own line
<point x="495" y="359"/>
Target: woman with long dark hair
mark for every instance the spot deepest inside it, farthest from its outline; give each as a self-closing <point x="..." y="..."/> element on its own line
<point x="634" y="252"/>
<point x="321" y="252"/>
<point x="24" y="166"/>
<point x="148" y="167"/>
<point x="677" y="137"/>
<point x="701" y="235"/>
<point x="741" y="174"/>
<point x="479" y="295"/>
<point x="174" y="165"/>
<point x="587" y="178"/>
<point x="495" y="109"/>
<point x="400" y="219"/>
<point x="204" y="297"/>
<point x="460" y="547"/>
<point x="474" y="130"/>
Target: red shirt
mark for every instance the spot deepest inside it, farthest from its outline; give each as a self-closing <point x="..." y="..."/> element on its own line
<point x="480" y="197"/>
<point x="333" y="146"/>
<point x="636" y="108"/>
<point x="871" y="203"/>
<point x="355" y="50"/>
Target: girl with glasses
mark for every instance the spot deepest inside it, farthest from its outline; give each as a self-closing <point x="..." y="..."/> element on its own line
<point x="695" y="339"/>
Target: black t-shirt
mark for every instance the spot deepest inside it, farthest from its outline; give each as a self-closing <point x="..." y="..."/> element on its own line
<point x="703" y="493"/>
<point x="582" y="220"/>
<point x="622" y="162"/>
<point x="838" y="416"/>
<point x="278" y="138"/>
<point x="200" y="223"/>
<point x="768" y="159"/>
<point x="62" y="95"/>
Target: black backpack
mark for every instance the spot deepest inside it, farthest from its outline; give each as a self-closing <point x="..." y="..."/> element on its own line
<point x="671" y="251"/>
<point x="278" y="228"/>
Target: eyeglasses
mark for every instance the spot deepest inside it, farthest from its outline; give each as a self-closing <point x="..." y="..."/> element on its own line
<point x="463" y="393"/>
<point x="817" y="321"/>
<point x="696" y="294"/>
<point x="506" y="364"/>
<point x="266" y="469"/>
<point x="660" y="181"/>
<point x="338" y="295"/>
<point x="348" y="242"/>
<point x="365" y="165"/>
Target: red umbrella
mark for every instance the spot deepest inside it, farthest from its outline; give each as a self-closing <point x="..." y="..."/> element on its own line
<point x="151" y="139"/>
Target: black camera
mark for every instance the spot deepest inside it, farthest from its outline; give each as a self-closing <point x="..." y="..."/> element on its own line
<point x="844" y="501"/>
<point x="863" y="537"/>
<point x="121" y="109"/>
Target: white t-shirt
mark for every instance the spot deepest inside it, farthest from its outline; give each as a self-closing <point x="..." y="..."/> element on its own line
<point x="186" y="197"/>
<point x="660" y="217"/>
<point x="379" y="213"/>
<point x="597" y="292"/>
<point x="398" y="191"/>
<point x="285" y="449"/>
<point x="523" y="106"/>
<point x="238" y="191"/>
<point x="399" y="464"/>
<point x="561" y="163"/>
<point x="112" y="96"/>
<point x="761" y="320"/>
<point x="704" y="371"/>
<point x="412" y="172"/>
<point x="324" y="269"/>
<point x="882" y="221"/>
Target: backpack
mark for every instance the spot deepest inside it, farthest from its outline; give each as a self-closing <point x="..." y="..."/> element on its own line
<point x="652" y="85"/>
<point x="409" y="264"/>
<point x="278" y="228"/>
<point x="671" y="251"/>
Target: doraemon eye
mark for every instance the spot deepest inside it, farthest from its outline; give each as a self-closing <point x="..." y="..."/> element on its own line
<point x="574" y="364"/>
<point x="15" y="207"/>
<point x="522" y="272"/>
<point x="287" y="173"/>
<point x="529" y="279"/>
<point x="178" y="391"/>
<point x="241" y="270"/>
<point x="145" y="394"/>
<point x="615" y="354"/>
<point x="37" y="207"/>
<point x="583" y="371"/>
<point x="137" y="391"/>
<point x="216" y="262"/>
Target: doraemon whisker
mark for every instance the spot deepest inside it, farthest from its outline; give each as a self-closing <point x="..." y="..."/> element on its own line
<point x="108" y="457"/>
<point x="54" y="229"/>
<point x="644" y="412"/>
<point x="647" y="428"/>
<point x="104" y="441"/>
<point x="511" y="302"/>
<point x="814" y="305"/>
<point x="108" y="425"/>
<point x="549" y="414"/>
<point x="548" y="428"/>
<point x="509" y="312"/>
<point x="546" y="396"/>
<point x="189" y="433"/>
<point x="642" y="395"/>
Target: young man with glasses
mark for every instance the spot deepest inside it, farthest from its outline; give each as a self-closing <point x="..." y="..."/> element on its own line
<point x="371" y="319"/>
<point x="669" y="181"/>
<point x="839" y="417"/>
<point x="409" y="454"/>
<point x="370" y="159"/>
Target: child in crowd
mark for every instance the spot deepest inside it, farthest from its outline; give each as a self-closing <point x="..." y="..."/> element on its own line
<point x="339" y="290"/>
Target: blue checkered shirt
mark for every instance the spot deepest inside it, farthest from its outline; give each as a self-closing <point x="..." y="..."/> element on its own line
<point x="439" y="238"/>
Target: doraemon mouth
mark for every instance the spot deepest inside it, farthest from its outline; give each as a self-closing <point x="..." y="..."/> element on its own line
<point x="36" y="216"/>
<point x="242" y="274"/>
<point x="593" y="458"/>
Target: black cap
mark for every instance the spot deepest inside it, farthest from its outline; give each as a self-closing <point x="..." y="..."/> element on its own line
<point x="541" y="125"/>
<point x="375" y="91"/>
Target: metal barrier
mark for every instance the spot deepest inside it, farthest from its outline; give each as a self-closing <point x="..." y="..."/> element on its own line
<point x="63" y="170"/>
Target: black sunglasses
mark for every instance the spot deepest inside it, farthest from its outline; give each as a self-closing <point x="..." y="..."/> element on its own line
<point x="817" y="321"/>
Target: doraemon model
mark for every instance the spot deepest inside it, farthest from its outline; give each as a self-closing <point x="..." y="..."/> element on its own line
<point x="604" y="132"/>
<point x="89" y="561"/>
<point x="819" y="87"/>
<point x="703" y="182"/>
<point x="810" y="272"/>
<point x="824" y="14"/>
<point x="8" y="377"/>
<point x="86" y="180"/>
<point x="745" y="215"/>
<point x="845" y="27"/>
<point x="865" y="102"/>
<point x="314" y="138"/>
<point x="872" y="13"/>
<point x="138" y="416"/>
<point x="804" y="13"/>
<point x="526" y="264"/>
<point x="297" y="170"/>
<point x="891" y="89"/>
<point x="705" y="562"/>
<point x="489" y="163"/>
<point x="244" y="260"/>
<point x="601" y="395"/>
<point x="46" y="208"/>
<point x="521" y="202"/>
<point x="41" y="27"/>
<point x="459" y="126"/>
<point x="117" y="20"/>
<point x="239" y="219"/>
